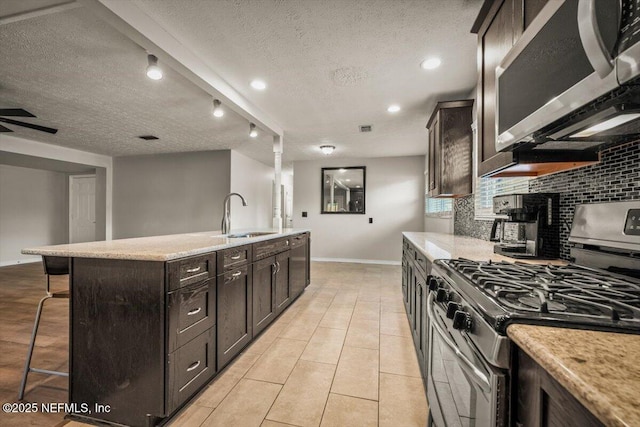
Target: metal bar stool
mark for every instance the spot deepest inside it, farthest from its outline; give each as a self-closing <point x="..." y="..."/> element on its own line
<point x="53" y="266"/>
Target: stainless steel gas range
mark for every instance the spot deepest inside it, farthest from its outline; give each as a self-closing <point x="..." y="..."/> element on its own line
<point x="471" y="303"/>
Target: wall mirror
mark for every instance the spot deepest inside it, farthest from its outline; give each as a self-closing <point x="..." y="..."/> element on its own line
<point x="343" y="190"/>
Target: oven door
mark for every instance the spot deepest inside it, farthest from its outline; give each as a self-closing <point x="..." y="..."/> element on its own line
<point x="462" y="389"/>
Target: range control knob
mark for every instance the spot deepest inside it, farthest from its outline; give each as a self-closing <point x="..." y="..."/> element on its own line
<point x="432" y="281"/>
<point x="462" y="320"/>
<point x="442" y="295"/>
<point x="452" y="307"/>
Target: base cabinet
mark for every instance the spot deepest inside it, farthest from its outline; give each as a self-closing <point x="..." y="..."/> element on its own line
<point x="542" y="402"/>
<point x="235" y="314"/>
<point x="146" y="336"/>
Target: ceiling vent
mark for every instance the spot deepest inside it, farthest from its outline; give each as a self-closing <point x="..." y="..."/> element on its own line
<point x="148" y="137"/>
<point x="366" y="128"/>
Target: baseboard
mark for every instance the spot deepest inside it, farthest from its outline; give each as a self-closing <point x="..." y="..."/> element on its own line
<point x="21" y="261"/>
<point x="357" y="261"/>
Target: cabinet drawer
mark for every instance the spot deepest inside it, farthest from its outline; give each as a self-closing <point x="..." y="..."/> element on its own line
<point x="187" y="271"/>
<point x="421" y="261"/>
<point x="190" y="367"/>
<point x="192" y="310"/>
<point x="269" y="247"/>
<point x="231" y="258"/>
<point x="298" y="240"/>
<point x="234" y="274"/>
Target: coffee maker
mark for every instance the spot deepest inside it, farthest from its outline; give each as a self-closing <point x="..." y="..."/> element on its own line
<point x="531" y="228"/>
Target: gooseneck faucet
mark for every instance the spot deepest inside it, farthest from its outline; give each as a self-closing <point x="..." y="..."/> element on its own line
<point x="226" y="217"/>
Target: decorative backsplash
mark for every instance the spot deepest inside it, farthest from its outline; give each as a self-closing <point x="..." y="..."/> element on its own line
<point x="615" y="178"/>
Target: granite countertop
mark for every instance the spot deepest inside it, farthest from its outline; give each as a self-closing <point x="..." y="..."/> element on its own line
<point x="446" y="246"/>
<point x="158" y="248"/>
<point x="600" y="369"/>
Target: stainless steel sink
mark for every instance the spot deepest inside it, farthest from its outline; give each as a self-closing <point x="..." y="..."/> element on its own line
<point x="250" y="234"/>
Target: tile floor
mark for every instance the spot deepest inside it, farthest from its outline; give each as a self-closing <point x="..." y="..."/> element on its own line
<point x="341" y="355"/>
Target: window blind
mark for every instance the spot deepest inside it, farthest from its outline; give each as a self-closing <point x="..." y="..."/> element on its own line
<point x="438" y="207"/>
<point x="486" y="188"/>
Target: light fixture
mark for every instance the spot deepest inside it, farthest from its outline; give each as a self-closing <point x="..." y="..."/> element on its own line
<point x="327" y="149"/>
<point x="217" y="108"/>
<point x="153" y="71"/>
<point x="258" y="84"/>
<point x="348" y="180"/>
<point x="430" y="63"/>
<point x="253" y="132"/>
<point x="606" y="125"/>
<point x="393" y="108"/>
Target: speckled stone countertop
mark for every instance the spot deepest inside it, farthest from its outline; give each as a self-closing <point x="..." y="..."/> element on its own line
<point x="446" y="246"/>
<point x="158" y="248"/>
<point x="600" y="369"/>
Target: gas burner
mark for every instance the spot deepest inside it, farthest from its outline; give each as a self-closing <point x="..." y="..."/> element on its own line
<point x="569" y="290"/>
<point x="533" y="301"/>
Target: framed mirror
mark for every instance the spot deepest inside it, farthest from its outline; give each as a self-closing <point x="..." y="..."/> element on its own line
<point x="343" y="190"/>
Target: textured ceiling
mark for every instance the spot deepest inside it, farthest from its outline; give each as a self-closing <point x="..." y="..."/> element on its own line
<point x="330" y="66"/>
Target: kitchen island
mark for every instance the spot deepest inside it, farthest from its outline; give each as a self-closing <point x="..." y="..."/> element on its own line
<point x="153" y="319"/>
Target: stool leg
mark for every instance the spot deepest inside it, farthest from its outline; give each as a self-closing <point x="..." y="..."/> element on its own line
<point x="27" y="365"/>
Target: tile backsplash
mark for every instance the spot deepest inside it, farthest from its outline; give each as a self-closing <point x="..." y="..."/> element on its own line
<point x="615" y="178"/>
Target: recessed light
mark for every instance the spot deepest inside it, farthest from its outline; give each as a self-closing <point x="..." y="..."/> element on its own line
<point x="430" y="63"/>
<point x="348" y="180"/>
<point x="258" y="84"/>
<point x="393" y="108"/>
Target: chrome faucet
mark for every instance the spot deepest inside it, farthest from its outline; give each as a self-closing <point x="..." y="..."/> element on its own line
<point x="226" y="217"/>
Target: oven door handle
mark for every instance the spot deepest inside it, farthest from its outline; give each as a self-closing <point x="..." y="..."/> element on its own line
<point x="479" y="378"/>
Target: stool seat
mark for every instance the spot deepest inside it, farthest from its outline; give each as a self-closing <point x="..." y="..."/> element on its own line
<point x="53" y="266"/>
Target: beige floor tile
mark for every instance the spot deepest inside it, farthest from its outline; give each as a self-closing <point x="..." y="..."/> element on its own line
<point x="278" y="361"/>
<point x="337" y="318"/>
<point x="303" y="397"/>
<point x="242" y="363"/>
<point x="398" y="356"/>
<point x="246" y="405"/>
<point x="357" y="373"/>
<point x="394" y="324"/>
<point x="193" y="416"/>
<point x="218" y="390"/>
<point x="324" y="346"/>
<point x="369" y="310"/>
<point x="363" y="333"/>
<point x="266" y="338"/>
<point x="302" y="327"/>
<point x="342" y="411"/>
<point x="269" y="423"/>
<point x="402" y="401"/>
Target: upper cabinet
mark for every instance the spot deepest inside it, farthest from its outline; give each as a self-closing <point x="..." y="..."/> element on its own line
<point x="450" y="149"/>
<point x="499" y="26"/>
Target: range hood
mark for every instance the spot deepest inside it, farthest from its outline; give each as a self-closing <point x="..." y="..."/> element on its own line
<point x="570" y="86"/>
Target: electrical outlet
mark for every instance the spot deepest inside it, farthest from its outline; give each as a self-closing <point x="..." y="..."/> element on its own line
<point x="304" y="214"/>
<point x="370" y="220"/>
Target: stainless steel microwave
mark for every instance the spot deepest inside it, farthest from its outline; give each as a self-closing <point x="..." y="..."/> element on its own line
<point x="570" y="80"/>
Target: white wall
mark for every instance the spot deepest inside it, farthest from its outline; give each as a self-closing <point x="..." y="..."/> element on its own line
<point x="34" y="211"/>
<point x="254" y="180"/>
<point x="169" y="193"/>
<point x="394" y="199"/>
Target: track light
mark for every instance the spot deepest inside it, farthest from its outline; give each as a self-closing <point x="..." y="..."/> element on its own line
<point x="327" y="149"/>
<point x="153" y="71"/>
<point x="253" y="132"/>
<point x="217" y="108"/>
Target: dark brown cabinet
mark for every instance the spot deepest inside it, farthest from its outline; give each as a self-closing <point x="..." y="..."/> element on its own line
<point x="298" y="264"/>
<point x="415" y="270"/>
<point x="450" y="149"/>
<point x="283" y="289"/>
<point x="235" y="315"/>
<point x="264" y="293"/>
<point x="542" y="402"/>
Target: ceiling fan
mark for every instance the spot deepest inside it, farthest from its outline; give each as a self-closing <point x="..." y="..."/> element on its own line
<point x="19" y="112"/>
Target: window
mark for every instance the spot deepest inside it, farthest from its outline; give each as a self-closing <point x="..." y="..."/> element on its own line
<point x="438" y="207"/>
<point x="486" y="188"/>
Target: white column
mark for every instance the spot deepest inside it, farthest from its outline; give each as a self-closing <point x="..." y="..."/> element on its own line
<point x="277" y="196"/>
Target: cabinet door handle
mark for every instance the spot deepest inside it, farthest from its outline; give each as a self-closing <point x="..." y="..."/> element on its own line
<point x="286" y="242"/>
<point x="235" y="257"/>
<point x="274" y="268"/>
<point x="236" y="274"/>
<point x="194" y="311"/>
<point x="278" y="265"/>
<point x="193" y="270"/>
<point x="193" y="366"/>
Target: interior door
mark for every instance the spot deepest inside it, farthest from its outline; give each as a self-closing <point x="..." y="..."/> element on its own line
<point x="82" y="208"/>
